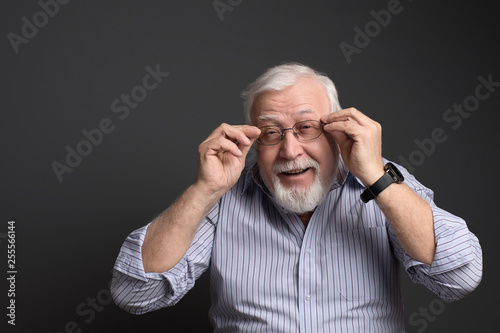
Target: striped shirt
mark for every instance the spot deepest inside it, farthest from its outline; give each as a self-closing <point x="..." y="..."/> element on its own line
<point x="269" y="273"/>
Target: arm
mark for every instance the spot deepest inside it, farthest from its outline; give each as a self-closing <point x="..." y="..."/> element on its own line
<point x="456" y="269"/>
<point x="139" y="292"/>
<point x="435" y="247"/>
<point x="360" y="142"/>
<point x="221" y="162"/>
<point x="411" y="219"/>
<point x="156" y="265"/>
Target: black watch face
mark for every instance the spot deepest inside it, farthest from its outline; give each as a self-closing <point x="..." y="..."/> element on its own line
<point x="395" y="170"/>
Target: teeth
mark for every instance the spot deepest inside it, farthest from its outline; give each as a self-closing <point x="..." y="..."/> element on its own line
<point x="294" y="172"/>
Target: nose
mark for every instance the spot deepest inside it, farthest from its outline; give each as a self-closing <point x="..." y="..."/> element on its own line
<point x="290" y="146"/>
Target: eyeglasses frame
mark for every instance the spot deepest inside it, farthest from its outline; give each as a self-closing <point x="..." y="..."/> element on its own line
<point x="293" y="131"/>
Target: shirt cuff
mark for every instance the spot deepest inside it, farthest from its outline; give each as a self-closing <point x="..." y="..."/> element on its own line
<point x="454" y="244"/>
<point x="129" y="259"/>
<point x="129" y="262"/>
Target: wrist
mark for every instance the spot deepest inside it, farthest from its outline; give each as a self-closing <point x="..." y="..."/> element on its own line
<point x="371" y="178"/>
<point x="391" y="175"/>
<point x="205" y="193"/>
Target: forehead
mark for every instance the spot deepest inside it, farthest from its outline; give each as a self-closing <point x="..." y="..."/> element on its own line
<point x="276" y="117"/>
<point x="306" y="97"/>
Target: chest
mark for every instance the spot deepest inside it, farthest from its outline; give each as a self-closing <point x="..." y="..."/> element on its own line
<point x="264" y="255"/>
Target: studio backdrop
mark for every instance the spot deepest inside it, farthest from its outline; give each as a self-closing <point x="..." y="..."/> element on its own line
<point x="104" y="103"/>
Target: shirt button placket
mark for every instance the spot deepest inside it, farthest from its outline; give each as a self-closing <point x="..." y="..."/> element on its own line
<point x="308" y="252"/>
<point x="307" y="275"/>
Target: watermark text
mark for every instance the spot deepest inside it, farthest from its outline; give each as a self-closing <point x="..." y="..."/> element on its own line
<point x="29" y="28"/>
<point x="454" y="118"/>
<point x="94" y="137"/>
<point x="11" y="272"/>
<point x="223" y="6"/>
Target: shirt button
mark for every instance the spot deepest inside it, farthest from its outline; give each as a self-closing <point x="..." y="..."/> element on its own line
<point x="308" y="250"/>
<point x="308" y="297"/>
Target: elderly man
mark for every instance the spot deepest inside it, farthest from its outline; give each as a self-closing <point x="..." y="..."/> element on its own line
<point x="309" y="238"/>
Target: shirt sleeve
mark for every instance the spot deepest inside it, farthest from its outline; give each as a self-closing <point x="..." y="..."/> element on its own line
<point x="139" y="292"/>
<point x="457" y="266"/>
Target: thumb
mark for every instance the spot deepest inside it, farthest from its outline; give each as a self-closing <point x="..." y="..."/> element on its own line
<point x="252" y="133"/>
<point x="246" y="148"/>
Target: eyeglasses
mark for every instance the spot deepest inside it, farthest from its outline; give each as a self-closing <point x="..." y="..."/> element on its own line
<point x="306" y="130"/>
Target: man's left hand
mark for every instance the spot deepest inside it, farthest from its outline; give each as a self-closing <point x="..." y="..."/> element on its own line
<point x="360" y="142"/>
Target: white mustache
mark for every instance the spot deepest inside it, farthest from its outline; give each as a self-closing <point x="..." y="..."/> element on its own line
<point x="297" y="164"/>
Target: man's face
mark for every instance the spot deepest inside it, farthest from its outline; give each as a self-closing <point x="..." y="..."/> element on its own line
<point x="306" y="100"/>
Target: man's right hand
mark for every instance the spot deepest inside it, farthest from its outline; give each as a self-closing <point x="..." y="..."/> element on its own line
<point x="221" y="161"/>
<point x="222" y="157"/>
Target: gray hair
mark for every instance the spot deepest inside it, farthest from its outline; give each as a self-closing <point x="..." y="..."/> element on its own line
<point x="282" y="76"/>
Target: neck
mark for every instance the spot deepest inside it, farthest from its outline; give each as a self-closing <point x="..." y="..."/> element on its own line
<point x="306" y="217"/>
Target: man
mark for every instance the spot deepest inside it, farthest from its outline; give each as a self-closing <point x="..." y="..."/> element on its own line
<point x="309" y="238"/>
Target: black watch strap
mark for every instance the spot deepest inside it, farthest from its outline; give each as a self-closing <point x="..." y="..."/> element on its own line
<point x="392" y="175"/>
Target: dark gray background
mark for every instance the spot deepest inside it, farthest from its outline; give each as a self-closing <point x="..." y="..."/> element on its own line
<point x="66" y="77"/>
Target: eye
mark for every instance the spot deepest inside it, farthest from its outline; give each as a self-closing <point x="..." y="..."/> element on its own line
<point x="271" y="131"/>
<point x="305" y="126"/>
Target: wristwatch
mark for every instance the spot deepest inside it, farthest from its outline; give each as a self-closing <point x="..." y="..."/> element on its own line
<point x="392" y="175"/>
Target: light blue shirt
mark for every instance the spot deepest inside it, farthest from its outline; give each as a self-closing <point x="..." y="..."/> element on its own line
<point x="269" y="273"/>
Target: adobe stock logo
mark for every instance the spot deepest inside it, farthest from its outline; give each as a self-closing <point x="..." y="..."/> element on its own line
<point x="372" y="29"/>
<point x="94" y="137"/>
<point x="454" y="117"/>
<point x="29" y="29"/>
<point x="222" y="6"/>
<point x="429" y="314"/>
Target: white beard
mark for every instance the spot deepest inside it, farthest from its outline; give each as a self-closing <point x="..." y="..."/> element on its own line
<point x="300" y="200"/>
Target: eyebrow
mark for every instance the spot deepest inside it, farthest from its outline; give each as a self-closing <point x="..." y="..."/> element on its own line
<point x="307" y="111"/>
<point x="265" y="117"/>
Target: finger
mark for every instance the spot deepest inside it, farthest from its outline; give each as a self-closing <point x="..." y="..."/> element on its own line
<point x="344" y="143"/>
<point x="348" y="126"/>
<point x="246" y="135"/>
<point x="340" y="137"/>
<point x="251" y="132"/>
<point x="350" y="114"/>
<point x="243" y="135"/>
<point x="221" y="145"/>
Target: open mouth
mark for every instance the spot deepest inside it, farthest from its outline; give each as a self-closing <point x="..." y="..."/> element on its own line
<point x="295" y="172"/>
